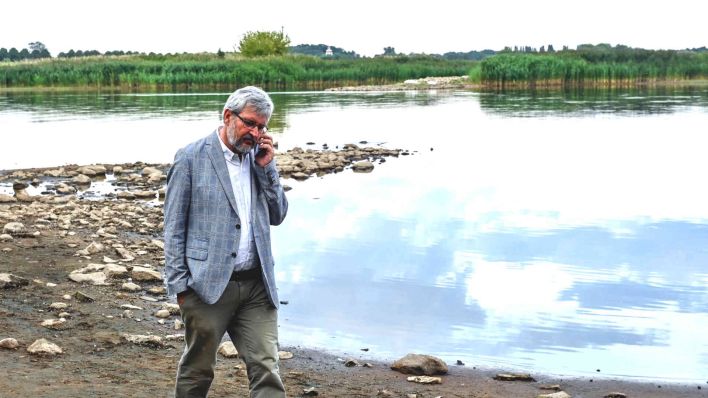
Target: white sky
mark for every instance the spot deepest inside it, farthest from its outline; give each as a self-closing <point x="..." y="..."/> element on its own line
<point x="364" y="26"/>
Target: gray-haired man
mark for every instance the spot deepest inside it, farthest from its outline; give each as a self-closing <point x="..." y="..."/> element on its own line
<point x="223" y="193"/>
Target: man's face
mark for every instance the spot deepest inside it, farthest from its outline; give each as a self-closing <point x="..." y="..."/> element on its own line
<point x="241" y="137"/>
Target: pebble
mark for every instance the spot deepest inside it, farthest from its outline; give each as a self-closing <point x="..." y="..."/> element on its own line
<point x="228" y="350"/>
<point x="162" y="313"/>
<point x="44" y="347"/>
<point x="58" y="305"/>
<point x="425" y="379"/>
<point x="9" y="343"/>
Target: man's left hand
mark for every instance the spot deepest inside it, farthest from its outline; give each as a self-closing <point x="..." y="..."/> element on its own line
<point x="265" y="150"/>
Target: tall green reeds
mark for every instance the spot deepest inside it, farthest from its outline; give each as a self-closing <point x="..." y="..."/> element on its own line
<point x="283" y="72"/>
<point x="582" y="67"/>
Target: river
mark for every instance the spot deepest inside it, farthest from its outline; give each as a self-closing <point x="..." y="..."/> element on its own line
<point x="562" y="232"/>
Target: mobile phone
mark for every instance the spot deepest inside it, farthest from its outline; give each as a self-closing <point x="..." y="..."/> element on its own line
<point x="258" y="151"/>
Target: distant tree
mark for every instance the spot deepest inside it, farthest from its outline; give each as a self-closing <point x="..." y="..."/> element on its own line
<point x="542" y="49"/>
<point x="24" y="54"/>
<point x="389" y="51"/>
<point x="255" y="44"/>
<point x="318" y="50"/>
<point x="39" y="50"/>
<point x="550" y="48"/>
<point x="13" y="54"/>
<point x="220" y="54"/>
<point x="3" y="54"/>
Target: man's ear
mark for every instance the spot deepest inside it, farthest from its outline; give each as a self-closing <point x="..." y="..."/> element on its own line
<point x="227" y="116"/>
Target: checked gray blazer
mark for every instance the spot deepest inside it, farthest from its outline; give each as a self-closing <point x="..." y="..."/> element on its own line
<point x="202" y="225"/>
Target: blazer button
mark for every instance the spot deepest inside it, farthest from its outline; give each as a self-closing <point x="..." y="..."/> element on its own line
<point x="238" y="226"/>
<point x="233" y="254"/>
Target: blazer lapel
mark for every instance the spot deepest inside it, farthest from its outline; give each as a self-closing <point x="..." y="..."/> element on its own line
<point x="216" y="155"/>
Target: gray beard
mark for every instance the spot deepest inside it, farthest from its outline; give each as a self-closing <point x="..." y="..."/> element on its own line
<point x="238" y="144"/>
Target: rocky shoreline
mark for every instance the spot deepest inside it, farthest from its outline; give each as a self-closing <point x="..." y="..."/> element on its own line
<point x="84" y="311"/>
<point x="423" y="84"/>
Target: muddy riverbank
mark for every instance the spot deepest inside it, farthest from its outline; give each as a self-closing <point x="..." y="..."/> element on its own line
<point x="84" y="273"/>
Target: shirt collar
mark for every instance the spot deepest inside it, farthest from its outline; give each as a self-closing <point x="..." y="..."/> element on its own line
<point x="228" y="153"/>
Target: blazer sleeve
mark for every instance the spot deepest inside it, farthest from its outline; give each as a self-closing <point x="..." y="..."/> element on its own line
<point x="177" y="203"/>
<point x="269" y="181"/>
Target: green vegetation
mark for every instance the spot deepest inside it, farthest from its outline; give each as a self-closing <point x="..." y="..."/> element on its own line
<point x="210" y="70"/>
<point x="593" y="65"/>
<point x="259" y="44"/>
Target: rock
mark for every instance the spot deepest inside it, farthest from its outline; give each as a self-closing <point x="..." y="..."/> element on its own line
<point x="363" y="167"/>
<point x="351" y="363"/>
<point x="162" y="313"/>
<point x="9" y="343"/>
<point x="125" y="254"/>
<point x="125" y="195"/>
<point x="97" y="274"/>
<point x="53" y="323"/>
<point x="14" y="229"/>
<point x="117" y="170"/>
<point x="283" y="355"/>
<point x="81" y="179"/>
<point x="146" y="340"/>
<point x="83" y="297"/>
<point x="157" y="290"/>
<point x="92" y="248"/>
<point x="4" y="198"/>
<point x="179" y="324"/>
<point x="310" y="392"/>
<point x="300" y="176"/>
<point x="10" y="281"/>
<point x="58" y="305"/>
<point x="559" y="394"/>
<point x="514" y="377"/>
<point x="174" y="337"/>
<point x="131" y="307"/>
<point x="23" y="196"/>
<point x="65" y="189"/>
<point x="44" y="347"/>
<point x="417" y="364"/>
<point x="94" y="278"/>
<point x="228" y="350"/>
<point x="616" y="395"/>
<point x="145" y="274"/>
<point x="172" y="308"/>
<point x="6" y="238"/>
<point x="131" y="287"/>
<point x="554" y="387"/>
<point x="86" y="171"/>
<point x="158" y="243"/>
<point x="148" y="171"/>
<point x="145" y="194"/>
<point x="425" y="379"/>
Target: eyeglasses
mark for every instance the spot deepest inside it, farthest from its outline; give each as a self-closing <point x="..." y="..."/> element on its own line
<point x="262" y="128"/>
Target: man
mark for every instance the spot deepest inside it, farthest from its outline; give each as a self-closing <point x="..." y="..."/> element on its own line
<point x="223" y="193"/>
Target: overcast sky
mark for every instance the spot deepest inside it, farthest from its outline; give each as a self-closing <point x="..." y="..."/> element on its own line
<point x="364" y="26"/>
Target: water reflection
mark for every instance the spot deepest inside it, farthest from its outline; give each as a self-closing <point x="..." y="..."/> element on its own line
<point x="593" y="101"/>
<point x="569" y="300"/>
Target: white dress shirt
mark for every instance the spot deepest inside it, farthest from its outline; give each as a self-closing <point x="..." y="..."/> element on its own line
<point x="240" y="174"/>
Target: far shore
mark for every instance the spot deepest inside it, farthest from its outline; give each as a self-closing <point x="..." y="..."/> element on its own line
<point x="422" y="84"/>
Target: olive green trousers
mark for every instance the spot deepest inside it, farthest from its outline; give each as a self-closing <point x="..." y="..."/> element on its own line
<point x="246" y="314"/>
